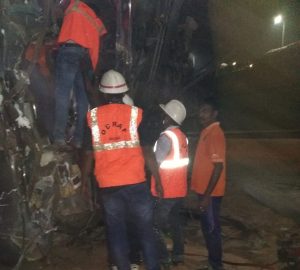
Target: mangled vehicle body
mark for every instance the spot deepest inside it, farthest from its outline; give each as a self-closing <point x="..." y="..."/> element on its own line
<point x="40" y="189"/>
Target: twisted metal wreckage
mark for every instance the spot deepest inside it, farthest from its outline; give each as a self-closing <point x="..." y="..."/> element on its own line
<point x="40" y="189"/>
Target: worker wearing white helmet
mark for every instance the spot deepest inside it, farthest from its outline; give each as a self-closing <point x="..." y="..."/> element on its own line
<point x="119" y="171"/>
<point x="176" y="110"/>
<point x="113" y="82"/>
<point x="171" y="151"/>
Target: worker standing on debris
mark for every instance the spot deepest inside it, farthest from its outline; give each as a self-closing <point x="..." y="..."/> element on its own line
<point x="79" y="41"/>
<point x="208" y="180"/>
<point x="171" y="151"/>
<point x="119" y="171"/>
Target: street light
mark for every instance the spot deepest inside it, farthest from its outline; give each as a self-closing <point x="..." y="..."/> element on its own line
<point x="279" y="20"/>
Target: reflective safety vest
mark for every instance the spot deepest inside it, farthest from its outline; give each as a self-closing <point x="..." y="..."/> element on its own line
<point x="82" y="26"/>
<point x="118" y="156"/>
<point x="173" y="170"/>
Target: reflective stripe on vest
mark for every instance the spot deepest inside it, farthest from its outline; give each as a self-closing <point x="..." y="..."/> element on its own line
<point x="85" y="14"/>
<point x="177" y="161"/>
<point x="134" y="142"/>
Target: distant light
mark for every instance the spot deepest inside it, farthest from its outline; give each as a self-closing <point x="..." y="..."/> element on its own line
<point x="234" y="63"/>
<point x="251" y="66"/>
<point x="278" y="19"/>
<point x="224" y="65"/>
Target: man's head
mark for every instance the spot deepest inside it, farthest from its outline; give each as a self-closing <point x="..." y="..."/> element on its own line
<point x="113" y="86"/>
<point x="175" y="112"/>
<point x="208" y="112"/>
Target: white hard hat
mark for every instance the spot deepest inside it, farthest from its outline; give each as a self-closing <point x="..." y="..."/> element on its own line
<point x="175" y="109"/>
<point x="127" y="100"/>
<point x="113" y="82"/>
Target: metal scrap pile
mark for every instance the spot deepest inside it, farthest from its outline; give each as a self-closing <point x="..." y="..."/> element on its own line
<point x="40" y="188"/>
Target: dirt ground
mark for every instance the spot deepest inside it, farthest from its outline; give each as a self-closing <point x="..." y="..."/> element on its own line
<point x="250" y="229"/>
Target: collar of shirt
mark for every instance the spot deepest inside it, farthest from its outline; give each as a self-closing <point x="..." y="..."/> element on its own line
<point x="210" y="126"/>
<point x="171" y="127"/>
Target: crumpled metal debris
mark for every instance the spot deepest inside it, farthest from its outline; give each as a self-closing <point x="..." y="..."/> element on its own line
<point x="46" y="185"/>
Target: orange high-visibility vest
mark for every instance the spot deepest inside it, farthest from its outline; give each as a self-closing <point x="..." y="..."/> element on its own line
<point x="82" y="26"/>
<point x="118" y="156"/>
<point x="173" y="170"/>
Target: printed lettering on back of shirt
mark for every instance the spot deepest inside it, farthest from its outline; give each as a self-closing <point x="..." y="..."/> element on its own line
<point x="113" y="125"/>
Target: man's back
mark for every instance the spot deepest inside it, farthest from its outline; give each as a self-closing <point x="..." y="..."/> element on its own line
<point x="118" y="155"/>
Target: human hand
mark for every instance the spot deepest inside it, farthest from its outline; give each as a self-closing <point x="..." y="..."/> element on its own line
<point x="159" y="190"/>
<point x="204" y="203"/>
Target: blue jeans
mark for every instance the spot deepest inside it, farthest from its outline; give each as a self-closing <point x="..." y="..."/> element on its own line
<point x="134" y="244"/>
<point x="211" y="229"/>
<point x="134" y="201"/>
<point x="68" y="77"/>
<point x="167" y="218"/>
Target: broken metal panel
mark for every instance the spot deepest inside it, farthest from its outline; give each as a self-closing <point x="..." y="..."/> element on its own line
<point x="44" y="187"/>
<point x="47" y="186"/>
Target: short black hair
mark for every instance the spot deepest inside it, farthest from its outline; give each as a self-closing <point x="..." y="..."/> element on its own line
<point x="211" y="101"/>
<point x="114" y="98"/>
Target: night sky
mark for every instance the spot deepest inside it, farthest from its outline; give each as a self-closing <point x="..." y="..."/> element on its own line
<point x="243" y="29"/>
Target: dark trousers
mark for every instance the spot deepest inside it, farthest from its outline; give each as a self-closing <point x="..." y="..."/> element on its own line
<point x="211" y="229"/>
<point x="69" y="77"/>
<point x="167" y="218"/>
<point x="136" y="202"/>
<point x="134" y="244"/>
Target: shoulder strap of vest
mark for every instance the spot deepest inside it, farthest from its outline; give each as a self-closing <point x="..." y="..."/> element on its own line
<point x="176" y="161"/>
<point x="75" y="8"/>
<point x="175" y="142"/>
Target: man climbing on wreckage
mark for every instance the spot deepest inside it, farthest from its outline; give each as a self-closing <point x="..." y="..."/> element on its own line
<point x="119" y="171"/>
<point x="79" y="41"/>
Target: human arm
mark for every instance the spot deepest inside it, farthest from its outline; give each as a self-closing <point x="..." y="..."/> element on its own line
<point x="153" y="167"/>
<point x="149" y="131"/>
<point x="215" y="176"/>
<point x="87" y="158"/>
<point x="215" y="147"/>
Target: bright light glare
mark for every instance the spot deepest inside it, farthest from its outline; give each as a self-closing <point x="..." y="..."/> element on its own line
<point x="233" y="63"/>
<point x="251" y="65"/>
<point x="278" y="19"/>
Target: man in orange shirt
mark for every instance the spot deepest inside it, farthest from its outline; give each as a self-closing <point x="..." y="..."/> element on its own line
<point x="79" y="41"/>
<point x="208" y="180"/>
